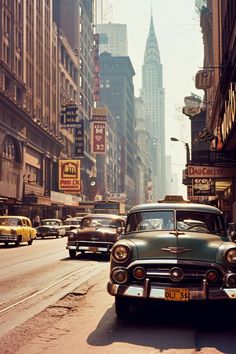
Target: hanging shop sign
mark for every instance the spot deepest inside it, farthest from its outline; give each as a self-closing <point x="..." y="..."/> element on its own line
<point x="203" y="186"/>
<point x="69" y="115"/>
<point x="69" y="176"/>
<point x="79" y="140"/>
<point x="210" y="172"/>
<point x="229" y="114"/>
<point x="98" y="137"/>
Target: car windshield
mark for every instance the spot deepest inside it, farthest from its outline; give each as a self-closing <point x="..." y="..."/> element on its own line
<point x="182" y="220"/>
<point x="50" y="222"/>
<point x="72" y="222"/>
<point x="105" y="222"/>
<point x="9" y="221"/>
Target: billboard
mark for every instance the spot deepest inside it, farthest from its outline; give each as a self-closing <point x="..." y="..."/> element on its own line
<point x="69" y="176"/>
<point x="99" y="137"/>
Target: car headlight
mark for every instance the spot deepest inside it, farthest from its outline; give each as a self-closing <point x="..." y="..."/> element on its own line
<point x="71" y="236"/>
<point x="121" y="253"/>
<point x="230" y="256"/>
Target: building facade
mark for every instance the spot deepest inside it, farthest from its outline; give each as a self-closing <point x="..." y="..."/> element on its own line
<point x="113" y="39"/>
<point x="117" y="92"/>
<point x="30" y="141"/>
<point x="75" y="18"/>
<point x="143" y="166"/>
<point x="153" y="95"/>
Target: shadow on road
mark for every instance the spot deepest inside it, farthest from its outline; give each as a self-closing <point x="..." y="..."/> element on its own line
<point x="89" y="256"/>
<point x="167" y="326"/>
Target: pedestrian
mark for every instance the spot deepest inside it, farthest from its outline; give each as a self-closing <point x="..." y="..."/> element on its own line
<point x="36" y="221"/>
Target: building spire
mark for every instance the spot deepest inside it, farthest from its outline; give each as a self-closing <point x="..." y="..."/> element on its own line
<point x="152" y="50"/>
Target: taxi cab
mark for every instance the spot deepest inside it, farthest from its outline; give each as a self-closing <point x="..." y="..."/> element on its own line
<point x="16" y="229"/>
<point x="173" y="252"/>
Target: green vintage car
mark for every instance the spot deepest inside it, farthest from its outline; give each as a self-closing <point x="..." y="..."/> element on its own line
<point x="173" y="252"/>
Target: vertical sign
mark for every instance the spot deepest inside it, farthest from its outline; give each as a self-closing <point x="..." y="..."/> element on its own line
<point x="99" y="137"/>
<point x="79" y="139"/>
<point x="69" y="176"/>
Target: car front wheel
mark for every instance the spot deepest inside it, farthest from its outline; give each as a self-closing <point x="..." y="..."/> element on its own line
<point x="122" y="307"/>
<point x="72" y="253"/>
<point x="30" y="241"/>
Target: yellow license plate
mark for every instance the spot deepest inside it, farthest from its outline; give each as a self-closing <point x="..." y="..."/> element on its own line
<point x="176" y="294"/>
<point x="93" y="249"/>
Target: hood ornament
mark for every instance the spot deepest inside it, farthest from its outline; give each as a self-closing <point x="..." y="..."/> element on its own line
<point x="176" y="250"/>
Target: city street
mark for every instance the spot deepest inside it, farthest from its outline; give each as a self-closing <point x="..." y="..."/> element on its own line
<point x="80" y="315"/>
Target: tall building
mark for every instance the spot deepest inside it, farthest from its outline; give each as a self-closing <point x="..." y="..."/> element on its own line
<point x="113" y="39"/>
<point x="153" y="95"/>
<point x="29" y="130"/>
<point x="117" y="92"/>
<point x="75" y="18"/>
<point x="143" y="166"/>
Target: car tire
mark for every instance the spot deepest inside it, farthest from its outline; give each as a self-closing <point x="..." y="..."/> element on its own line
<point x="122" y="307"/>
<point x="72" y="253"/>
<point x="30" y="241"/>
<point x="17" y="243"/>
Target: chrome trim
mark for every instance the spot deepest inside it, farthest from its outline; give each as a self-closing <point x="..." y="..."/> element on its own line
<point x="158" y="293"/>
<point x="176" y="250"/>
<point x="150" y="262"/>
<point x="172" y="275"/>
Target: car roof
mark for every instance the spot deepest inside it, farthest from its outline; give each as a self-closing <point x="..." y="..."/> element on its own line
<point x="51" y="219"/>
<point x="110" y="216"/>
<point x="174" y="206"/>
<point x="13" y="216"/>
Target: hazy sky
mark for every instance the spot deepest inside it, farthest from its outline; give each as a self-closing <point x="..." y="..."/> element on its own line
<point x="181" y="49"/>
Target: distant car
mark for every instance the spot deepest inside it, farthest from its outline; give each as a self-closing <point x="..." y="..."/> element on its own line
<point x="97" y="233"/>
<point x="16" y="229"/>
<point x="51" y="227"/>
<point x="173" y="252"/>
<point x="72" y="223"/>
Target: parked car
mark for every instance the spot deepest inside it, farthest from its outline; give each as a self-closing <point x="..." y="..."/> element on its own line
<point x="72" y="223"/>
<point x="51" y="227"/>
<point x="173" y="252"/>
<point x="97" y="233"/>
<point x="16" y="229"/>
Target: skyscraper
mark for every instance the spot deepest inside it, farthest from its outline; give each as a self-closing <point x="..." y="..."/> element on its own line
<point x="153" y="95"/>
<point x="113" y="39"/>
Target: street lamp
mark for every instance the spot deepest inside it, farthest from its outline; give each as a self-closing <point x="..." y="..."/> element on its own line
<point x="186" y="147"/>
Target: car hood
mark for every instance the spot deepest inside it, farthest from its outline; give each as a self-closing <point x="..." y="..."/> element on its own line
<point x="194" y="246"/>
<point x="8" y="228"/>
<point x="98" y="233"/>
<point x="48" y="227"/>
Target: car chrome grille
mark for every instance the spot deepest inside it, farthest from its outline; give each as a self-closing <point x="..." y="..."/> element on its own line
<point x="192" y="275"/>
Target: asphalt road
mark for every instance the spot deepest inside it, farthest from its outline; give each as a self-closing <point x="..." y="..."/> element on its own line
<point x="34" y="277"/>
<point x="83" y="320"/>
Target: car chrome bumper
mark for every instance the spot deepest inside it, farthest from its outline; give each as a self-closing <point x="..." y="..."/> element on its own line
<point x="89" y="248"/>
<point x="8" y="238"/>
<point x="150" y="291"/>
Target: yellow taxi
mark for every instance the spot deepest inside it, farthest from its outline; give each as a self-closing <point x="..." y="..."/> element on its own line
<point x="16" y="229"/>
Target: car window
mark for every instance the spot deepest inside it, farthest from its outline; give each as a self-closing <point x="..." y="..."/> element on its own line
<point x="151" y="220"/>
<point x="105" y="222"/>
<point x="190" y="220"/>
<point x="9" y="221"/>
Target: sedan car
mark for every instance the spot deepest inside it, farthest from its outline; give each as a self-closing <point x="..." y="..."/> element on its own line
<point x="72" y="223"/>
<point x="16" y="229"/>
<point x="51" y="227"/>
<point x="97" y="233"/>
<point x="173" y="252"/>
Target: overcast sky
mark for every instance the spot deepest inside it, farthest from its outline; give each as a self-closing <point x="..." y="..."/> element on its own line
<point x="180" y="42"/>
